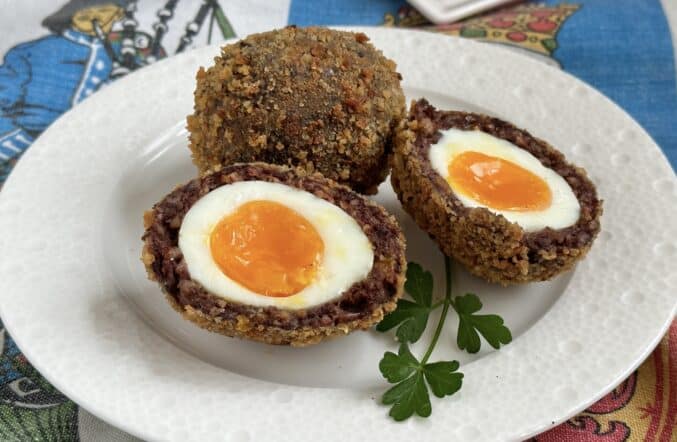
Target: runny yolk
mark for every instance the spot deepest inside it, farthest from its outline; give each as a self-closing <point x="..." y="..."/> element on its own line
<point x="498" y="183"/>
<point x="268" y="248"/>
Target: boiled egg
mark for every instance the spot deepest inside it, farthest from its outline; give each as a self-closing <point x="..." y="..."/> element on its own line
<point x="485" y="171"/>
<point x="269" y="244"/>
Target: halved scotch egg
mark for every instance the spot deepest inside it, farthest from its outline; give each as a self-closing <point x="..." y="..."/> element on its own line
<point x="506" y="205"/>
<point x="273" y="254"/>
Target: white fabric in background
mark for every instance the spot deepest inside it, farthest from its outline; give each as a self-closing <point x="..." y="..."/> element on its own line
<point x="670" y="8"/>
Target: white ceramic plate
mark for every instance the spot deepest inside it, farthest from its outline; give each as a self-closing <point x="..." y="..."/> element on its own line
<point x="74" y="295"/>
<point x="448" y="11"/>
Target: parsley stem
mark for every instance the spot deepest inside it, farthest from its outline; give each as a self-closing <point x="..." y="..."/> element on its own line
<point x="445" y="309"/>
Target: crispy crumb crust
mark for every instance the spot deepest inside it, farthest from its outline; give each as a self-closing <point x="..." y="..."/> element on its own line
<point x="317" y="98"/>
<point x="487" y="244"/>
<point x="360" y="307"/>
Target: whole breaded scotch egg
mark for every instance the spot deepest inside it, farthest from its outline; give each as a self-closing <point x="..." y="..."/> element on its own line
<point x="321" y="99"/>
<point x="275" y="255"/>
<point x="506" y="205"/>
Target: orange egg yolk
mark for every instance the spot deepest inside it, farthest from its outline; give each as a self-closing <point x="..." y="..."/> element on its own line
<point x="268" y="248"/>
<point x="498" y="183"/>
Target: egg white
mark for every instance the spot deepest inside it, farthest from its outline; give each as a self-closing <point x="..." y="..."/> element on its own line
<point x="348" y="254"/>
<point x="562" y="212"/>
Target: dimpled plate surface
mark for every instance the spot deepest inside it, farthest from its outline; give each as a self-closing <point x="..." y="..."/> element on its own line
<point x="60" y="286"/>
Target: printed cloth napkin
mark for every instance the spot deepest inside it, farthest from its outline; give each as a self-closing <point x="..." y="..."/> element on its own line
<point x="54" y="55"/>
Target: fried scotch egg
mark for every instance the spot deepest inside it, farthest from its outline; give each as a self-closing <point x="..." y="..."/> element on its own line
<point x="274" y="254"/>
<point x="506" y="205"/>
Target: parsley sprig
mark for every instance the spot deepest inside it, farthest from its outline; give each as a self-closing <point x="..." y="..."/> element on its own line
<point x="413" y="377"/>
<point x="489" y="326"/>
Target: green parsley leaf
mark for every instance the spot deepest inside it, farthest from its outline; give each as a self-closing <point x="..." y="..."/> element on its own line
<point x="398" y="367"/>
<point x="412" y="377"/>
<point x="419" y="284"/>
<point x="442" y="379"/>
<point x="412" y="329"/>
<point x="408" y="397"/>
<point x="489" y="326"/>
<point x="406" y="311"/>
<point x="411" y="317"/>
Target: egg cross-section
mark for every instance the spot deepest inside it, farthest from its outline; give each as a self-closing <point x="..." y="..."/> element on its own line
<point x="274" y="254"/>
<point x="503" y="203"/>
